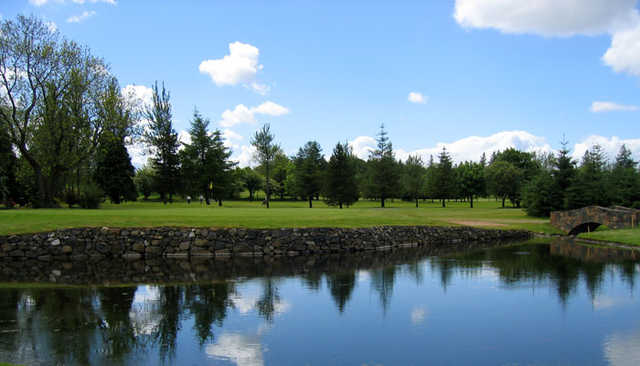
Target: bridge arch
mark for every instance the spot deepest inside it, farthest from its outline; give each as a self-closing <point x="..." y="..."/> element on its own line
<point x="585" y="227"/>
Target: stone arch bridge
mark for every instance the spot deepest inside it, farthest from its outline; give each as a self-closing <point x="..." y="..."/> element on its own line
<point x="587" y="219"/>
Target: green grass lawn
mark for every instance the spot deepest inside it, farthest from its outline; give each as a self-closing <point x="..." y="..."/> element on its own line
<point x="487" y="213"/>
<point x="627" y="236"/>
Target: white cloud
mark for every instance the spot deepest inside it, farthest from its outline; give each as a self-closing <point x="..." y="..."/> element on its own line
<point x="82" y="17"/>
<point x="230" y="137"/>
<point x="418" y="98"/>
<point x="137" y="152"/>
<point x="240" y="66"/>
<point x="624" y="53"/>
<point x="621" y="348"/>
<point x="362" y="146"/>
<point x="52" y="26"/>
<point x="610" y="145"/>
<point x="546" y="17"/>
<point x="468" y="148"/>
<point x="597" y="107"/>
<point x="138" y="95"/>
<point x="243" y="114"/>
<point x="240" y="349"/>
<point x="245" y="156"/>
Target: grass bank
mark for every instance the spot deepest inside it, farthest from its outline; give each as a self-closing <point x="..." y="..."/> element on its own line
<point x="486" y="214"/>
<point x="626" y="236"/>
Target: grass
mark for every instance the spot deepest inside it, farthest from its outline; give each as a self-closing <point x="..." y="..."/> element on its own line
<point x="487" y="214"/>
<point x="624" y="236"/>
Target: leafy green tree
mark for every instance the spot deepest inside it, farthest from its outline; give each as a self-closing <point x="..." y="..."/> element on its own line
<point x="266" y="151"/>
<point x="384" y="173"/>
<point x="143" y="180"/>
<point x="444" y="178"/>
<point x="49" y="87"/>
<point x="541" y="195"/>
<point x="504" y="180"/>
<point x="252" y="181"/>
<point x="341" y="185"/>
<point x="414" y="178"/>
<point x="282" y="168"/>
<point x="114" y="172"/>
<point x="470" y="177"/>
<point x="163" y="140"/>
<point x="527" y="165"/>
<point x="309" y="166"/>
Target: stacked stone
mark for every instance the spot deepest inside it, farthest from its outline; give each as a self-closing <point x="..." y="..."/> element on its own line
<point x="192" y="242"/>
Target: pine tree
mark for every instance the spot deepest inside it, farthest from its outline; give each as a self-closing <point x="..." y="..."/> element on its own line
<point x="164" y="142"/>
<point x="114" y="172"/>
<point x="308" y="170"/>
<point x="385" y="175"/>
<point x="414" y="178"/>
<point x="444" y="177"/>
<point x="341" y="183"/>
<point x="222" y="179"/>
<point x="624" y="180"/>
<point x="266" y="151"/>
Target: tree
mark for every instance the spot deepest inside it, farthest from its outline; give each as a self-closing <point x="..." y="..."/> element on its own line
<point x="504" y="180"/>
<point x="589" y="187"/>
<point x="470" y="177"/>
<point x="143" y="180"/>
<point x="564" y="172"/>
<point x="8" y="169"/>
<point x="444" y="177"/>
<point x="222" y="177"/>
<point x="49" y="87"/>
<point x="282" y="167"/>
<point x="266" y="151"/>
<point x="384" y="172"/>
<point x="164" y="142"/>
<point x="527" y="165"/>
<point x="114" y="172"/>
<point x="341" y="185"/>
<point x="308" y="170"/>
<point x="541" y="195"/>
<point x="252" y="181"/>
<point x="624" y="181"/>
<point x="414" y="178"/>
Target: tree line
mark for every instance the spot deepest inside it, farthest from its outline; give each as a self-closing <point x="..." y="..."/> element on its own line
<point x="65" y="126"/>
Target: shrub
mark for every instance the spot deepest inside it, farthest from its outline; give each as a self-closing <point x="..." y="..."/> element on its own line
<point x="70" y="197"/>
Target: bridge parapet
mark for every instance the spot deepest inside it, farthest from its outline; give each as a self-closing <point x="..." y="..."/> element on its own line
<point x="573" y="222"/>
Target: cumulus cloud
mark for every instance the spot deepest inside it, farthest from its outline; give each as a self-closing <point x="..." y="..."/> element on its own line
<point x="418" y="98"/>
<point x="82" y="17"/>
<point x="243" y="114"/>
<point x="468" y="148"/>
<point x="621" y="348"/>
<point x="610" y="145"/>
<point x="546" y="17"/>
<point x="240" y="66"/>
<point x="245" y="156"/>
<point x="597" y="107"/>
<point x="53" y="27"/>
<point x="624" y="53"/>
<point x="138" y="95"/>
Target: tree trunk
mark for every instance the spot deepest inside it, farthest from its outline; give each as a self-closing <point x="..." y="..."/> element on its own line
<point x="310" y="201"/>
<point x="443" y="203"/>
<point x="382" y="202"/>
<point x="416" y="202"/>
<point x="266" y="167"/>
<point x="503" y="198"/>
<point x="471" y="201"/>
<point x="220" y="203"/>
<point x="250" y="195"/>
<point x="341" y="205"/>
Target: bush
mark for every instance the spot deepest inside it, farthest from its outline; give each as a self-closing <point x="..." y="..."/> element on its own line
<point x="70" y="197"/>
<point x="91" y="196"/>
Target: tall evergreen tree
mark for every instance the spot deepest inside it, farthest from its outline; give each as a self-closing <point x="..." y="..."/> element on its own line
<point x="164" y="142"/>
<point x="222" y="181"/>
<point x="414" y="178"/>
<point x="590" y="187"/>
<point x="309" y="166"/>
<point x="385" y="175"/>
<point x="444" y="177"/>
<point x="624" y="180"/>
<point x="341" y="181"/>
<point x="266" y="151"/>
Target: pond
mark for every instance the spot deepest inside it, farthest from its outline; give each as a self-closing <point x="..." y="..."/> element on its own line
<point x="528" y="303"/>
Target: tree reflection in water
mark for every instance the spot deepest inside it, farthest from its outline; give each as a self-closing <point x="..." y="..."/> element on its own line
<point x="89" y="325"/>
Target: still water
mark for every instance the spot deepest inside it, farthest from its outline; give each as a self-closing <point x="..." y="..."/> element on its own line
<point x="524" y="304"/>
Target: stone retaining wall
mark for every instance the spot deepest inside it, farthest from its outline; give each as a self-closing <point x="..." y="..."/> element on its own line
<point x="83" y="243"/>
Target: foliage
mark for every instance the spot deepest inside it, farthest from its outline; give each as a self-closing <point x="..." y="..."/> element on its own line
<point x="91" y="196"/>
<point x="341" y="186"/>
<point x="414" y="177"/>
<point x="143" y="180"/>
<point x="309" y="165"/>
<point x="443" y="177"/>
<point x="504" y="180"/>
<point x="266" y="151"/>
<point x="471" y="181"/>
<point x="383" y="169"/>
<point x="252" y="181"/>
<point x="164" y="142"/>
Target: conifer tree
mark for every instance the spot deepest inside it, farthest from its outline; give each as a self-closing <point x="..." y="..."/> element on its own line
<point x="341" y="182"/>
<point x="444" y="177"/>
<point x="308" y="170"/>
<point x="266" y="151"/>
<point x="414" y="178"/>
<point x="385" y="175"/>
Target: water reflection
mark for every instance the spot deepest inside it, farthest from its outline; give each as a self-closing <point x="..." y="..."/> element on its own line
<point x="245" y="312"/>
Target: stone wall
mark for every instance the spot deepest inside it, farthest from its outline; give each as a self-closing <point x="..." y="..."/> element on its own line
<point x="589" y="218"/>
<point x="84" y="243"/>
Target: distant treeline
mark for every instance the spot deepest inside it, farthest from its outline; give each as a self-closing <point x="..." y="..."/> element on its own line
<point x="65" y="126"/>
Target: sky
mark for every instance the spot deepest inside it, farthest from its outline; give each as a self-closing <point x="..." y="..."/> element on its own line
<point x="470" y="75"/>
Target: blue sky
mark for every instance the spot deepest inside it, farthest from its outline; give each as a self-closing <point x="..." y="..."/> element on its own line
<point x="511" y="73"/>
